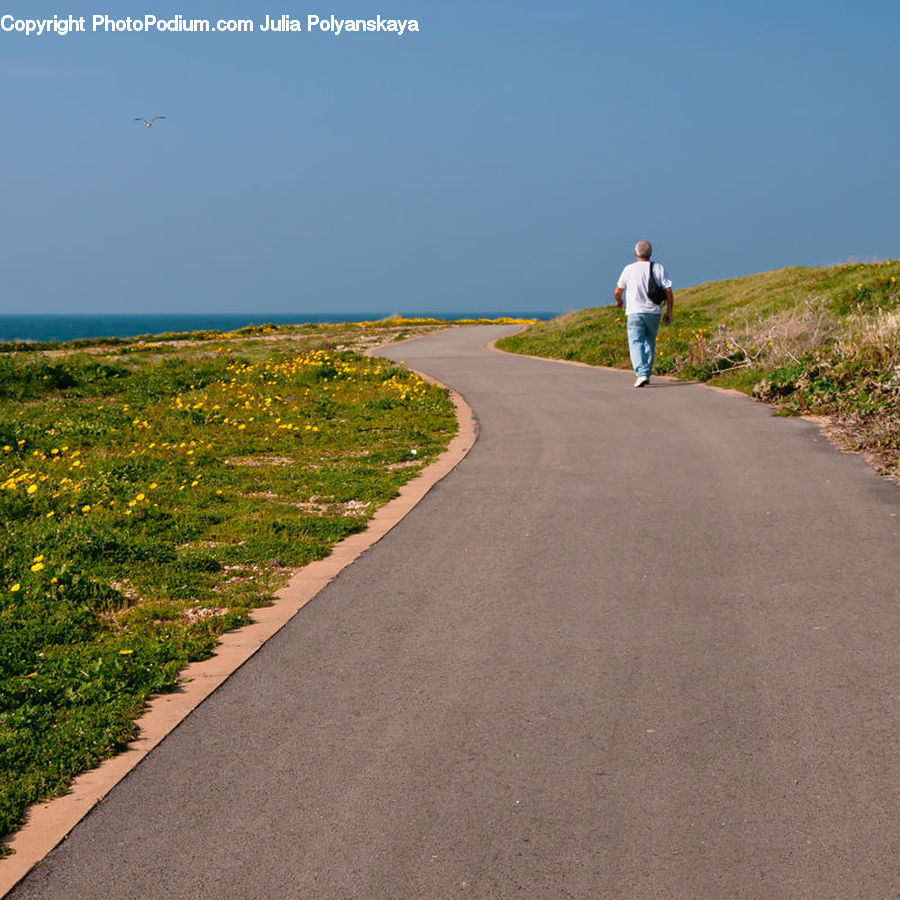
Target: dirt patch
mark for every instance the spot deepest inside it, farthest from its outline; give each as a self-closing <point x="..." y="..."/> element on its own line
<point x="257" y="461"/>
<point x="200" y="613"/>
<point x="349" y="508"/>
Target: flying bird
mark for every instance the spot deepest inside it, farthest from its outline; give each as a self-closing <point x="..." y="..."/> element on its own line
<point x="148" y="122"/>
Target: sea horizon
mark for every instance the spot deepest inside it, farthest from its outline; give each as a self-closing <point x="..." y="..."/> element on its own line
<point x="61" y="327"/>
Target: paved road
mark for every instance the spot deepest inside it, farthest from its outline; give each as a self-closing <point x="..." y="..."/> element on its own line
<point x="639" y="644"/>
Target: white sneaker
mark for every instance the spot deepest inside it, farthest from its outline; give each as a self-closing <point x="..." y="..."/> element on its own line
<point x="641" y="381"/>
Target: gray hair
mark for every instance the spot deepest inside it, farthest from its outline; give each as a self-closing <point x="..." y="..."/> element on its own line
<point x="643" y="249"/>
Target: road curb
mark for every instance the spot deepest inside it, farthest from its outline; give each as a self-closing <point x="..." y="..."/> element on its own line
<point x="48" y="824"/>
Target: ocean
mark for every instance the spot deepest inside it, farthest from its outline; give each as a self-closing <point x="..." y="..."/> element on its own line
<point x="24" y="327"/>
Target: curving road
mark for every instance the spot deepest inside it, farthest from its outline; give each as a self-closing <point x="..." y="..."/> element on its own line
<point x="639" y="644"/>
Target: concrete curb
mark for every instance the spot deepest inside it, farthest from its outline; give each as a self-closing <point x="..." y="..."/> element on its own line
<point x="48" y="824"/>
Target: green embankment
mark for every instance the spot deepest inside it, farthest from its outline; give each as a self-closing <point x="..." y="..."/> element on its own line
<point x="810" y="341"/>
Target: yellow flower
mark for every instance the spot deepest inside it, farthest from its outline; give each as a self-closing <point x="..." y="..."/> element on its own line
<point x="39" y="558"/>
<point x="15" y="587"/>
<point x="32" y="488"/>
<point x="139" y="497"/>
<point x="125" y="652"/>
<point x="37" y="567"/>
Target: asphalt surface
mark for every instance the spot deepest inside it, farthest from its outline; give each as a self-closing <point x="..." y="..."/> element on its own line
<point x="640" y="644"/>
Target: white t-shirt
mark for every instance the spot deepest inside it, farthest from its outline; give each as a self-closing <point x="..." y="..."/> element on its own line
<point x="634" y="280"/>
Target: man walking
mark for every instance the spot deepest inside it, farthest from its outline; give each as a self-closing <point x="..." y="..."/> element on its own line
<point x="641" y="313"/>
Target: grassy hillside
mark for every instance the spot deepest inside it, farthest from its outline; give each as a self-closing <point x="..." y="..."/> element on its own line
<point x="811" y="341"/>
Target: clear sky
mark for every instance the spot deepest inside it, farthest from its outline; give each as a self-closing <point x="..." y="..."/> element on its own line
<point x="505" y="157"/>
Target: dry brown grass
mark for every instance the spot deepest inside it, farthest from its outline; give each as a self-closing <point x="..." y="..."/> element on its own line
<point x="873" y="340"/>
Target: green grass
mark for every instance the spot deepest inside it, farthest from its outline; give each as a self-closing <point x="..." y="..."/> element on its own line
<point x="153" y="494"/>
<point x="810" y="341"/>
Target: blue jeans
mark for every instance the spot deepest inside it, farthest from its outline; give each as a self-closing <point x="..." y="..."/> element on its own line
<point x="642" y="329"/>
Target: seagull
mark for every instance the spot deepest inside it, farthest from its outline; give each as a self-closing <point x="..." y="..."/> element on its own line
<point x="150" y="122"/>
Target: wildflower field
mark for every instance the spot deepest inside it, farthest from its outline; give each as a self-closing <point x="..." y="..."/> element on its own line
<point x="153" y="494"/>
<point x="817" y="341"/>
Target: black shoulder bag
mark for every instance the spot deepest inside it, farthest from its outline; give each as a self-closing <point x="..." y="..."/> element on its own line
<point x="656" y="292"/>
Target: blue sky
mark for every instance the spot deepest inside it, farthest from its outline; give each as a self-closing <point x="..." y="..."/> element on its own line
<point x="506" y="157"/>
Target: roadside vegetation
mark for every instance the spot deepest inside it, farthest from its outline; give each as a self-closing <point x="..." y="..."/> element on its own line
<point x="153" y="493"/>
<point x="810" y="341"/>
